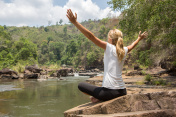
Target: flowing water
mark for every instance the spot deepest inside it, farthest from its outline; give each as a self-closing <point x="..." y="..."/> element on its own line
<point x="32" y="98"/>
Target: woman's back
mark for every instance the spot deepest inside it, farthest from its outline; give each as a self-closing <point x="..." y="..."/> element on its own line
<point x="113" y="68"/>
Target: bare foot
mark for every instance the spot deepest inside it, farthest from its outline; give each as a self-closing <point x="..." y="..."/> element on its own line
<point x="94" y="100"/>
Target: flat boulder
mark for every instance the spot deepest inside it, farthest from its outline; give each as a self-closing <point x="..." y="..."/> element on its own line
<point x="160" y="104"/>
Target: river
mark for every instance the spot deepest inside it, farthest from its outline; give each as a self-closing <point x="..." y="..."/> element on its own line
<point x="32" y="98"/>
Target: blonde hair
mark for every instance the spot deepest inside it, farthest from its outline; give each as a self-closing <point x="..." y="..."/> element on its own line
<point x="117" y="40"/>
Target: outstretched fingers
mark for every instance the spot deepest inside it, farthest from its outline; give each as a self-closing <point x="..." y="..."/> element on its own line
<point x="68" y="13"/>
<point x="71" y="16"/>
<point x="145" y="34"/>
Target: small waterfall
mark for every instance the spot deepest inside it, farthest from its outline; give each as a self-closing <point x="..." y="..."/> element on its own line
<point x="76" y="74"/>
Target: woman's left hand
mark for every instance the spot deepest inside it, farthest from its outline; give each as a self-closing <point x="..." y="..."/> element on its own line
<point x="143" y="35"/>
<point x="71" y="16"/>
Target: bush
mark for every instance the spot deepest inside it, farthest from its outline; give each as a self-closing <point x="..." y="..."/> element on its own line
<point x="19" y="68"/>
<point x="159" y="82"/>
<point x="54" y="66"/>
<point x="148" y="78"/>
<point x="153" y="81"/>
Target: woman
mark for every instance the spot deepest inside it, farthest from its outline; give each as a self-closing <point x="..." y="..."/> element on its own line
<point x="114" y="57"/>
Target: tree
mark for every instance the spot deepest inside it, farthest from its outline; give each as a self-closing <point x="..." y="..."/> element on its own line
<point x="91" y="57"/>
<point x="60" y="22"/>
<point x="57" y="49"/>
<point x="92" y="24"/>
<point x="103" y="31"/>
<point x="104" y="21"/>
<point x="52" y="57"/>
<point x="25" y="50"/>
<point x="44" y="48"/>
<point x="71" y="48"/>
<point x="49" y="39"/>
<point x="46" y="29"/>
<point x="121" y="5"/>
<point x="49" y="22"/>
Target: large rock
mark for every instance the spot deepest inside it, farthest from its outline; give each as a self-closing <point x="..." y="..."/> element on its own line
<point x="168" y="63"/>
<point x="159" y="104"/>
<point x="32" y="76"/>
<point x="8" y="74"/>
<point x="33" y="69"/>
<point x="63" y="72"/>
<point x="155" y="113"/>
<point x="32" y="72"/>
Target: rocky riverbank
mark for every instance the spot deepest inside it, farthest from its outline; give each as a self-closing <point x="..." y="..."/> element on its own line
<point x="34" y="72"/>
<point x="143" y="99"/>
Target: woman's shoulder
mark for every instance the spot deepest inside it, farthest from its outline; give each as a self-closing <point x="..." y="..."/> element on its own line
<point x="126" y="50"/>
<point x="109" y="46"/>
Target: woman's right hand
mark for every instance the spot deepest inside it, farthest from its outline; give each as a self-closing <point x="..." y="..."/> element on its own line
<point x="70" y="16"/>
<point x="143" y="35"/>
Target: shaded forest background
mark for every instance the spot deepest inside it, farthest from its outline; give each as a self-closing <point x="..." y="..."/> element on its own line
<point x="55" y="45"/>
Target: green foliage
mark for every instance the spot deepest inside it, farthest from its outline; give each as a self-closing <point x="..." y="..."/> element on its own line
<point x="103" y="31"/>
<point x="49" y="39"/>
<point x="120" y="5"/>
<point x="91" y="57"/>
<point x="159" y="82"/>
<point x="57" y="49"/>
<point x="46" y="29"/>
<point x="148" y="78"/>
<point x="104" y="21"/>
<point x="144" y="58"/>
<point x="25" y="50"/>
<point x="70" y="52"/>
<point x="154" y="81"/>
<point x="54" y="67"/>
<point x="19" y="67"/>
<point x="92" y="24"/>
<point x="157" y="17"/>
<point x="14" y="53"/>
<point x="65" y="30"/>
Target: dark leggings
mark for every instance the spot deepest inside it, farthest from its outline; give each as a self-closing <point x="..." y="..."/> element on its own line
<point x="101" y="93"/>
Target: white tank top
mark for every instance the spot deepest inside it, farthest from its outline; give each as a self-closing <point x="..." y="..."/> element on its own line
<point x="113" y="68"/>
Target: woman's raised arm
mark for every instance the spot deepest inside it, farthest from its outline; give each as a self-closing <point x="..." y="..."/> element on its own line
<point x="140" y="37"/>
<point x="86" y="32"/>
